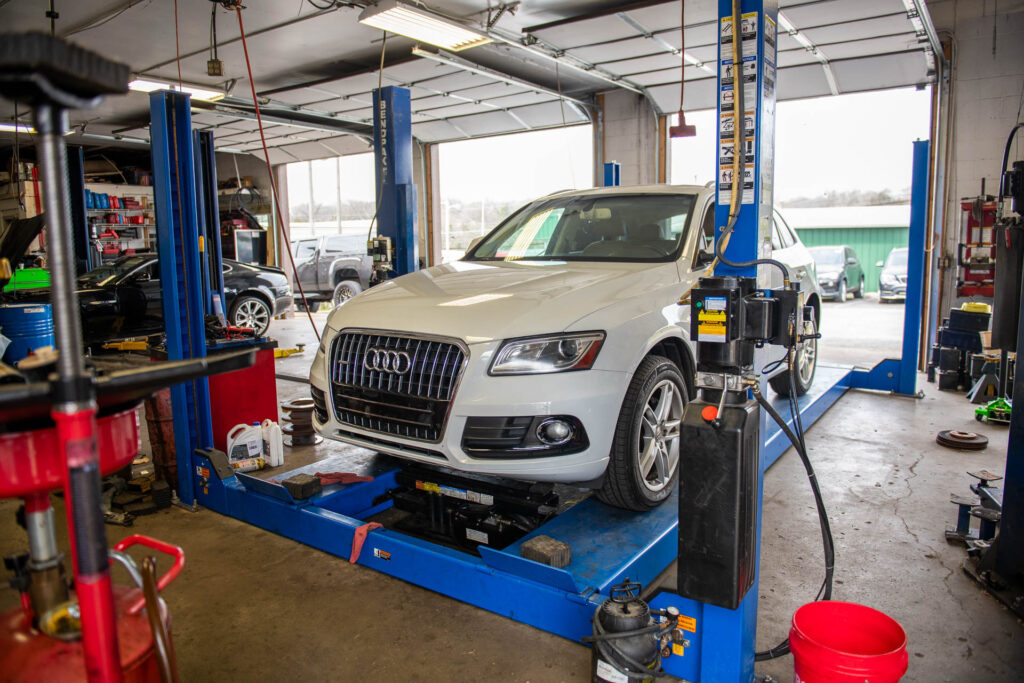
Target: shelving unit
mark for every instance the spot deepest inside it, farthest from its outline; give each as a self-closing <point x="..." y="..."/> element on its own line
<point x="140" y="237"/>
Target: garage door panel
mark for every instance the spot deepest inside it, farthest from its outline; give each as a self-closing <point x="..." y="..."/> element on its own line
<point x="876" y="73"/>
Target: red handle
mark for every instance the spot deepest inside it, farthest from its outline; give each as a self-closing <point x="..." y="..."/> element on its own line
<point x="175" y="551"/>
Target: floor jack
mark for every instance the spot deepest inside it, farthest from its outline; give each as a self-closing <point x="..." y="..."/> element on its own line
<point x="68" y="429"/>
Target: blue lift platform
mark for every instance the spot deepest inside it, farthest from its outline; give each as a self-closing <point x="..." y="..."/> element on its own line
<point x="608" y="545"/>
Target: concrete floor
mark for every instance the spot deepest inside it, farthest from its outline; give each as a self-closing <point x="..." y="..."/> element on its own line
<point x="254" y="606"/>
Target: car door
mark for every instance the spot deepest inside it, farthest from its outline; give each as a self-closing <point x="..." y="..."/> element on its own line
<point x="140" y="303"/>
<point x="855" y="270"/>
<point x="306" y="252"/>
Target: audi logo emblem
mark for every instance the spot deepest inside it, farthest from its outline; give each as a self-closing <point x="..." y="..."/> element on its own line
<point x="385" y="360"/>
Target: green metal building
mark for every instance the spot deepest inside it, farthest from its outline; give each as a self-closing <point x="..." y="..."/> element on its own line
<point x="871" y="231"/>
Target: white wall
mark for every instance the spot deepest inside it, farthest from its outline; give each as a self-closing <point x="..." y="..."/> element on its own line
<point x="988" y="83"/>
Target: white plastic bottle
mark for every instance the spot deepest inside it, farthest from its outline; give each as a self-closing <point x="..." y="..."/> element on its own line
<point x="273" y="443"/>
<point x="244" y="442"/>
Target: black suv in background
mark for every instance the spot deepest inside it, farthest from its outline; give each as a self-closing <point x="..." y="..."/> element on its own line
<point x="839" y="271"/>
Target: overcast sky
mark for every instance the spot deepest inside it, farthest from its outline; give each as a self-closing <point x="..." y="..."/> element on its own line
<point x="848" y="142"/>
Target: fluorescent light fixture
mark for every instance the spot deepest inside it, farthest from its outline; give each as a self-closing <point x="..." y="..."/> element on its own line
<point x="147" y="85"/>
<point x="15" y="128"/>
<point x="412" y="22"/>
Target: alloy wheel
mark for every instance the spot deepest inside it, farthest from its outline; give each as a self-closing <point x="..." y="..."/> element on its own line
<point x="657" y="448"/>
<point x="253" y="314"/>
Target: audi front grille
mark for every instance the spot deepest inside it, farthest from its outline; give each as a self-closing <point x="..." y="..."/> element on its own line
<point x="395" y="384"/>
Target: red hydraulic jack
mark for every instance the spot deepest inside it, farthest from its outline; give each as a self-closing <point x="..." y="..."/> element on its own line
<point x="75" y="427"/>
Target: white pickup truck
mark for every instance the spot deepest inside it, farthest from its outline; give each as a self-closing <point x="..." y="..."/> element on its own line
<point x="555" y="350"/>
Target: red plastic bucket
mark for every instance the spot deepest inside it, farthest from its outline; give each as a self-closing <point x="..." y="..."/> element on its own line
<point x="846" y="643"/>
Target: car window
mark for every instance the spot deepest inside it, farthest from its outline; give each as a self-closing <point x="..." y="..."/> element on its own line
<point x="777" y="242"/>
<point x="305" y="248"/>
<point x="345" y="244"/>
<point x="225" y="268"/>
<point x="706" y="237"/>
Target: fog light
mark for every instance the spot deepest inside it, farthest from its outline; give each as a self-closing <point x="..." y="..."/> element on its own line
<point x="554" y="432"/>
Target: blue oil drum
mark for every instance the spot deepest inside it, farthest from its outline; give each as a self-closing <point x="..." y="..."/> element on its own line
<point x="28" y="326"/>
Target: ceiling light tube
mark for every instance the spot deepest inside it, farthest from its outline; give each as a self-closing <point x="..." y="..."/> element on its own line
<point x="412" y="22"/>
<point x="15" y="128"/>
<point x="197" y="93"/>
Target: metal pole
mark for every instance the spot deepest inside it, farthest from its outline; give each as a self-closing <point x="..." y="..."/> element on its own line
<point x="74" y="411"/>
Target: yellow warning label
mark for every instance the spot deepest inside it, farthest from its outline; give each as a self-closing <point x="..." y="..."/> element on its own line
<point x="678" y="649"/>
<point x="711" y="316"/>
<point x="711" y="332"/>
<point x="687" y="623"/>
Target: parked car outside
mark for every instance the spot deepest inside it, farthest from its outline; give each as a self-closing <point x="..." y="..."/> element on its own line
<point x="555" y="350"/>
<point x="332" y="267"/>
<point x="123" y="298"/>
<point x="839" y="271"/>
<point x="892" y="281"/>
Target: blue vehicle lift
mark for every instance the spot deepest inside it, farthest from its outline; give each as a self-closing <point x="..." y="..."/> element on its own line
<point x="608" y="545"/>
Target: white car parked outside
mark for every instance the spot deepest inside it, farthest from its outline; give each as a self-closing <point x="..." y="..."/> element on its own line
<point x="555" y="350"/>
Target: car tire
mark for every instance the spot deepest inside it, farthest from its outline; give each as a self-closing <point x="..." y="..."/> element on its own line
<point x="345" y="290"/>
<point x="841" y="292"/>
<point x="859" y="294"/>
<point x="251" y="311"/>
<point x="806" y="363"/>
<point x="643" y="465"/>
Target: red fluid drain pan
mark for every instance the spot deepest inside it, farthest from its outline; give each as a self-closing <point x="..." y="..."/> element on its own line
<point x="32" y="461"/>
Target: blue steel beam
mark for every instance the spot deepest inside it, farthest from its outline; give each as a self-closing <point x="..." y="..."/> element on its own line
<point x="174" y="192"/>
<point x="396" y="193"/>
<point x="900" y="375"/>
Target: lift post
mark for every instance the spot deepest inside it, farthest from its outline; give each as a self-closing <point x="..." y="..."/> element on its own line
<point x="396" y="193"/>
<point x="181" y="272"/>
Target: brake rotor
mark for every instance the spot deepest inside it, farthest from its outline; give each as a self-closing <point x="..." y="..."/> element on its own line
<point x="965" y="441"/>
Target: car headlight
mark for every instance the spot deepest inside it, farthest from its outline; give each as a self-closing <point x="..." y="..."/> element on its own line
<point x="554" y="353"/>
<point x="889" y="279"/>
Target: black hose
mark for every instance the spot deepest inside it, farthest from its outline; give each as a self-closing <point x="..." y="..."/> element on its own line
<point x="828" y="544"/>
<point x="1006" y="159"/>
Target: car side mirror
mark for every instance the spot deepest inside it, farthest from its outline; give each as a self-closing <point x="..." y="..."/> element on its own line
<point x="879" y="264"/>
<point x="141" y="277"/>
<point x="705" y="257"/>
<point x="851" y="261"/>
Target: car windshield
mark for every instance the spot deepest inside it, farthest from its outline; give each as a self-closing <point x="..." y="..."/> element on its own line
<point x="827" y="256"/>
<point x="897" y="259"/>
<point x="106" y="274"/>
<point x="641" y="227"/>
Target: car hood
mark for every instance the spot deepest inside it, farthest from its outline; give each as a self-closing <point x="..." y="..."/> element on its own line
<point x="483" y="301"/>
<point x="828" y="271"/>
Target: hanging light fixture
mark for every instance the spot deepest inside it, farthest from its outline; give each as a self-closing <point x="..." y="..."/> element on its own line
<point x="419" y="24"/>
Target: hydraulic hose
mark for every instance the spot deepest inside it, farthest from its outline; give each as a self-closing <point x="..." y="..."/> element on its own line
<point x="738" y="129"/>
<point x="828" y="544"/>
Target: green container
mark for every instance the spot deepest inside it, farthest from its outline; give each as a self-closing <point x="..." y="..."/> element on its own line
<point x="28" y="278"/>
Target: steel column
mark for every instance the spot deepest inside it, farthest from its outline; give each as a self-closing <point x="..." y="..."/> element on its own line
<point x="174" y="191"/>
<point x="396" y="193"/>
<point x="900" y="376"/>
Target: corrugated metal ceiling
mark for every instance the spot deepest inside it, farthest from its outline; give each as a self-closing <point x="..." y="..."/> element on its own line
<point x="323" y="63"/>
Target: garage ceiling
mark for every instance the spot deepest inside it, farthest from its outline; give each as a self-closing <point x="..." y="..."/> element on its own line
<point x="547" y="61"/>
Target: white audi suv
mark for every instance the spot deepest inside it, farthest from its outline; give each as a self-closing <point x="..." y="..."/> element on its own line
<point x="555" y="350"/>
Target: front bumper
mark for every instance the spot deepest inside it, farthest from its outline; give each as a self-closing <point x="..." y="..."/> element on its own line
<point x="594" y="397"/>
<point x="892" y="292"/>
<point x="829" y="290"/>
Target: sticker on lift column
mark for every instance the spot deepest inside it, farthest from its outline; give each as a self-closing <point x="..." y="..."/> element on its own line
<point x="711" y="320"/>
